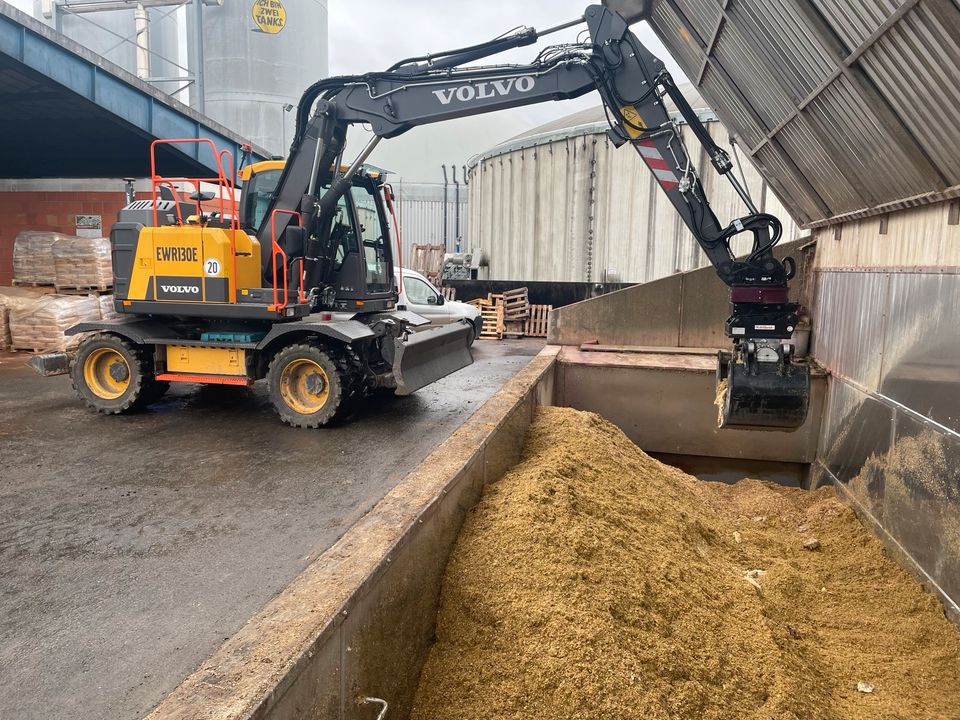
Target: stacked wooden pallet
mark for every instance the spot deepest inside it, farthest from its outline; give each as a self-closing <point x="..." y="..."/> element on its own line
<point x="491" y="314"/>
<point x="510" y="314"/>
<point x="516" y="304"/>
<point x="428" y="260"/>
<point x="537" y="322"/>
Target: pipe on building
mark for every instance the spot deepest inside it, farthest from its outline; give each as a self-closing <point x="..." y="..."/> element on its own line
<point x="456" y="211"/>
<point x="444" y="205"/>
<point x="142" y="24"/>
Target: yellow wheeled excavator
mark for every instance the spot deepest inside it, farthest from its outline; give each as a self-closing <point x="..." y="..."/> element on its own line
<point x="294" y="282"/>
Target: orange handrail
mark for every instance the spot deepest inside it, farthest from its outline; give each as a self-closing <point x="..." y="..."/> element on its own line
<point x="223" y="181"/>
<point x="388" y="194"/>
<point x="277" y="250"/>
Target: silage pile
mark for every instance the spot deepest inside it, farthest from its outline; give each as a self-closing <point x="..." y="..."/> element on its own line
<point x="593" y="581"/>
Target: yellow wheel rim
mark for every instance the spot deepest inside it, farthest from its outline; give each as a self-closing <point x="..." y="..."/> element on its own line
<point x="106" y="373"/>
<point x="304" y="386"/>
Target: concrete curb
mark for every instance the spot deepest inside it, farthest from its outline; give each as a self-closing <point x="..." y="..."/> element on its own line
<point x="359" y="620"/>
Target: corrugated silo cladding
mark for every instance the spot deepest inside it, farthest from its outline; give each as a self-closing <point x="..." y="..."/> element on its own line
<point x="851" y="110"/>
<point x="259" y="57"/>
<point x="564" y="204"/>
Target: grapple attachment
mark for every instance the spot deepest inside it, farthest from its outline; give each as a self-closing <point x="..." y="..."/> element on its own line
<point x="762" y="395"/>
<point x="426" y="356"/>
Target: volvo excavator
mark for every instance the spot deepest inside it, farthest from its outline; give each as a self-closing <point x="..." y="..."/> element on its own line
<point x="294" y="282"/>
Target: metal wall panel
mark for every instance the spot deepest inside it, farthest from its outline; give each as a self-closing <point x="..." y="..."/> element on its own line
<point x="903" y="472"/>
<point x="891" y="437"/>
<point x="921" y="345"/>
<point x="420" y="214"/>
<point x="917" y="238"/>
<point x="849" y="107"/>
<point x="849" y="325"/>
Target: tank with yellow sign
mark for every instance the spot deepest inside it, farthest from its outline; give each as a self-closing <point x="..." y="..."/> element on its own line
<point x="259" y="55"/>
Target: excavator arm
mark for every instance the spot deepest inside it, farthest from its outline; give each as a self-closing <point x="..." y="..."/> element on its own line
<point x="763" y="386"/>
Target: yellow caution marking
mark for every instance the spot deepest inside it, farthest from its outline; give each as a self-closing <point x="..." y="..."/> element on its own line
<point x="633" y="121"/>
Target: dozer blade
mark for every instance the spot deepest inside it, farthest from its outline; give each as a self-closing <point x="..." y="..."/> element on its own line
<point x="765" y="399"/>
<point x="426" y="356"/>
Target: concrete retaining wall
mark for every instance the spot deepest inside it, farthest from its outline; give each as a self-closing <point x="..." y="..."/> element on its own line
<point x="683" y="310"/>
<point x="359" y="621"/>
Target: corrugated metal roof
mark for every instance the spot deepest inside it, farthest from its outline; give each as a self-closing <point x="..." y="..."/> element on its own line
<point x="850" y="107"/>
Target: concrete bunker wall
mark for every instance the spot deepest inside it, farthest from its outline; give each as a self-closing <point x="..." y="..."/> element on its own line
<point x="359" y="621"/>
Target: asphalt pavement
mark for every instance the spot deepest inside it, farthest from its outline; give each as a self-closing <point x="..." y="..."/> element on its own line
<point x="132" y="546"/>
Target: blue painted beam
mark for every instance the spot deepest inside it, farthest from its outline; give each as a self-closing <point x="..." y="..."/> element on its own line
<point x="133" y="105"/>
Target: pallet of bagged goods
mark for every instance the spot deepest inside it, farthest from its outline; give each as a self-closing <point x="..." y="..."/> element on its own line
<point x="107" y="310"/>
<point x="38" y="326"/>
<point x="33" y="257"/>
<point x="10" y="299"/>
<point x="82" y="265"/>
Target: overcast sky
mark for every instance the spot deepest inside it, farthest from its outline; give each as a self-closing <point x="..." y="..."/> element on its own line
<point x="370" y="35"/>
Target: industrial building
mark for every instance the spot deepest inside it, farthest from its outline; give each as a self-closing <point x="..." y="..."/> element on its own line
<point x="561" y="203"/>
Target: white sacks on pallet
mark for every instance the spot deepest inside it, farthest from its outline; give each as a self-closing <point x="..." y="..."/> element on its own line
<point x="107" y="311"/>
<point x="33" y="257"/>
<point x="82" y="263"/>
<point x="12" y="298"/>
<point x="39" y="325"/>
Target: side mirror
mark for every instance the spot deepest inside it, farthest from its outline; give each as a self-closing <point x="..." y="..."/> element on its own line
<point x="432" y="300"/>
<point x="440" y="300"/>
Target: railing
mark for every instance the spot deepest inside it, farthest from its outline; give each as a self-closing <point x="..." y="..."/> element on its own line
<point x="225" y="182"/>
<point x="277" y="251"/>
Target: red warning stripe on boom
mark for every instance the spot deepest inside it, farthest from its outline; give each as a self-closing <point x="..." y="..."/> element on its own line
<point x="658" y="165"/>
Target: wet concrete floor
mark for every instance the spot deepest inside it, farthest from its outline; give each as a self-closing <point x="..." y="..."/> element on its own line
<point x="132" y="546"/>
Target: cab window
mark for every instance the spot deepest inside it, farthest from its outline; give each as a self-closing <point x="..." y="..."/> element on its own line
<point x="418" y="292"/>
<point x="342" y="233"/>
<point x="376" y="251"/>
<point x="257" y="194"/>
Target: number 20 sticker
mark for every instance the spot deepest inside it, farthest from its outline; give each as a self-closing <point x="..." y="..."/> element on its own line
<point x="211" y="267"/>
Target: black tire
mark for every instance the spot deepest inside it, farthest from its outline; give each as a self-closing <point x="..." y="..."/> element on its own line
<point x="476" y="326"/>
<point x="303" y="377"/>
<point x="110" y="374"/>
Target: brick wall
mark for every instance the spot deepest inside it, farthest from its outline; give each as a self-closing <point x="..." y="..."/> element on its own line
<point x="49" y="210"/>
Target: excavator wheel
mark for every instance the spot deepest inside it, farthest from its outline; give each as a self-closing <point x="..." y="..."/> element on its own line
<point x="111" y="375"/>
<point x="307" y="386"/>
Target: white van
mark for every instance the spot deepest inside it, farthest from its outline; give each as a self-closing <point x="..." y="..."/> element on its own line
<point x="420" y="296"/>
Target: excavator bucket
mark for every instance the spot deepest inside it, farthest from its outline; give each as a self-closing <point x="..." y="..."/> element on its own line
<point x="426" y="356"/>
<point x="763" y="396"/>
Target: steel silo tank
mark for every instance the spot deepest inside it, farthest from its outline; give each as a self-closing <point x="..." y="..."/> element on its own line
<point x="561" y="203"/>
<point x="259" y="56"/>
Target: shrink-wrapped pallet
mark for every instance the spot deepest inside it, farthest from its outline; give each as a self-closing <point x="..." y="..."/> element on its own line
<point x="107" y="311"/>
<point x="33" y="257"/>
<point x="82" y="263"/>
<point x="39" y="326"/>
<point x="10" y="299"/>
